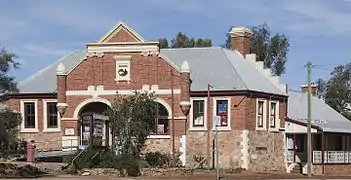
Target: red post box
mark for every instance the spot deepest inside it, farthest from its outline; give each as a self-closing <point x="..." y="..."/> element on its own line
<point x="30" y="151"/>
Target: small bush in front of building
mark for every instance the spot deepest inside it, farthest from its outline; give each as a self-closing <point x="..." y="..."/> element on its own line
<point x="199" y="160"/>
<point x="162" y="160"/>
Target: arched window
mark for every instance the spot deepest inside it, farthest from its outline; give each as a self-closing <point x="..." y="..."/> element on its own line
<point x="162" y="120"/>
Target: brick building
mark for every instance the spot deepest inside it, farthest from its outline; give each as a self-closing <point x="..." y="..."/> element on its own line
<point x="251" y="103"/>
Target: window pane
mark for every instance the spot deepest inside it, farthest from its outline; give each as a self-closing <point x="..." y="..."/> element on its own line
<point x="260" y="114"/>
<point x="52" y="115"/>
<point x="198" y="113"/>
<point x="29" y="115"/>
<point x="222" y="112"/>
<point x="272" y="118"/>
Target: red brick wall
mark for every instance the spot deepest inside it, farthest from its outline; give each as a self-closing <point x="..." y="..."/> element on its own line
<point x="102" y="71"/>
<point x="41" y="136"/>
<point x="243" y="112"/>
<point x="122" y="36"/>
<point x="332" y="169"/>
<point x="241" y="44"/>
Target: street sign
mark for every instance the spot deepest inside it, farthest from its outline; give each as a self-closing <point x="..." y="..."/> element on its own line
<point x="216" y="121"/>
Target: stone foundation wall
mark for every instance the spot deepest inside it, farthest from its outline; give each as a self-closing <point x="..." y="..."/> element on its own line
<point x="162" y="145"/>
<point x="229" y="148"/>
<point x="266" y="151"/>
<point x="331" y="169"/>
<point x="47" y="140"/>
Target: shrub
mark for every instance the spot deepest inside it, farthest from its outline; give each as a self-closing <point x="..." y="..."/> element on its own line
<point x="106" y="159"/>
<point x="161" y="160"/>
<point x="199" y="159"/>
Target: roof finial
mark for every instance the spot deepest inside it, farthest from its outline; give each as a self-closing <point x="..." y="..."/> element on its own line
<point x="185" y="67"/>
<point x="61" y="69"/>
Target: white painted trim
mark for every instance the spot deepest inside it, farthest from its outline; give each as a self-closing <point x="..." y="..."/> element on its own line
<point x="45" y="128"/>
<point x="69" y="119"/>
<point x="23" y="129"/>
<point x="87" y="101"/>
<point x="120" y="25"/>
<point x="191" y="125"/>
<point x="159" y="136"/>
<point x="277" y="118"/>
<point x="291" y="127"/>
<point x="115" y="92"/>
<point x="123" y="60"/>
<point x="166" y="105"/>
<point x="245" y="149"/>
<point x="264" y="114"/>
<point x="228" y="128"/>
<point x="127" y="48"/>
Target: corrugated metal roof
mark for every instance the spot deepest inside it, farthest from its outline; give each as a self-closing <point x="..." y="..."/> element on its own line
<point x="222" y="68"/>
<point x="323" y="115"/>
<point x="44" y="81"/>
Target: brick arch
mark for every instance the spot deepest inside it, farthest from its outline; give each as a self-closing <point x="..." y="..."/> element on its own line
<point x="88" y="101"/>
<point x="166" y="105"/>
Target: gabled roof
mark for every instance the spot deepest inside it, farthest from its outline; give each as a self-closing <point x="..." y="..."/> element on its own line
<point x="222" y="68"/>
<point x="44" y="81"/>
<point x="121" y="25"/>
<point x="323" y="115"/>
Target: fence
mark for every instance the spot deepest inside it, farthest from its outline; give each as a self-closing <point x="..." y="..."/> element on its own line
<point x="332" y="157"/>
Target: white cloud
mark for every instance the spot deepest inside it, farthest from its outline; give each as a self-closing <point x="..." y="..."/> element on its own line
<point x="318" y="18"/>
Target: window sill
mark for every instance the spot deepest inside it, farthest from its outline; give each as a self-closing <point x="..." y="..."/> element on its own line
<point x="261" y="129"/>
<point x="222" y="129"/>
<point x="29" y="130"/>
<point x="197" y="129"/>
<point x="165" y="136"/>
<point x="52" y="130"/>
<point x="274" y="129"/>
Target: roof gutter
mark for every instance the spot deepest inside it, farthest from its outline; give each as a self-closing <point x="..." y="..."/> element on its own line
<point x="238" y="93"/>
<point x="28" y="96"/>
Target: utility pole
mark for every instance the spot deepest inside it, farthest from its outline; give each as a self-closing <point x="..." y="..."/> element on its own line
<point x="309" y="139"/>
<point x="173" y="135"/>
<point x="208" y="126"/>
<point x="216" y="124"/>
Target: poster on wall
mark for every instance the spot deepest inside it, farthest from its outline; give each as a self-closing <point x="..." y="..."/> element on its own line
<point x="222" y="110"/>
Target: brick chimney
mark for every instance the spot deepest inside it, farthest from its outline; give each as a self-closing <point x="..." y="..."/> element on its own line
<point x="241" y="39"/>
<point x="304" y="89"/>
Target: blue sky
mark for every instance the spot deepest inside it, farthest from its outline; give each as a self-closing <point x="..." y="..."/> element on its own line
<point x="41" y="31"/>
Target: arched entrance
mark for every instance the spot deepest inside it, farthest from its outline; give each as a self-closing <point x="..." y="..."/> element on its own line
<point x="94" y="125"/>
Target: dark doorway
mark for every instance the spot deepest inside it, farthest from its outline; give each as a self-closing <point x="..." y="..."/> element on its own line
<point x="94" y="125"/>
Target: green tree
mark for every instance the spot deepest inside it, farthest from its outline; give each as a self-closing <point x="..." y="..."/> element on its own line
<point x="163" y="43"/>
<point x="132" y="119"/>
<point x="9" y="120"/>
<point x="181" y="40"/>
<point x="7" y="62"/>
<point x="336" y="91"/>
<point x="272" y="50"/>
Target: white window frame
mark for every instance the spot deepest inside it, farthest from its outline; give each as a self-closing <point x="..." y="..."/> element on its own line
<point x="228" y="128"/>
<point x="192" y="127"/>
<point x="264" y="114"/>
<point x="123" y="60"/>
<point x="23" y="129"/>
<point x="277" y="119"/>
<point x="45" y="119"/>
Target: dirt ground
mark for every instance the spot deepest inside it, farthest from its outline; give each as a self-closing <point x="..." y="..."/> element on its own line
<point x="55" y="170"/>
